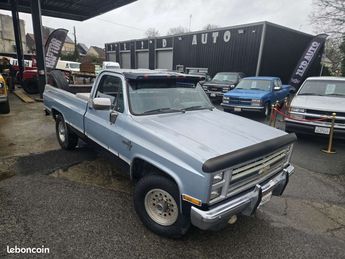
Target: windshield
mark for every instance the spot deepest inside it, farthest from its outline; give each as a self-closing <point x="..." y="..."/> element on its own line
<point x="323" y="88"/>
<point x="74" y="65"/>
<point x="249" y="84"/>
<point x="111" y="67"/>
<point x="162" y="96"/>
<point x="226" y="77"/>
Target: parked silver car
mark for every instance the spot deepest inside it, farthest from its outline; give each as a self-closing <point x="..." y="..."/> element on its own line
<point x="317" y="97"/>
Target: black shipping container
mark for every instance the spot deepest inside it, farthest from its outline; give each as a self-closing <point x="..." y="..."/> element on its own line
<point x="263" y="48"/>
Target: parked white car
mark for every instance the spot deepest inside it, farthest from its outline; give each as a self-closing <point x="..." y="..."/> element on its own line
<point x="317" y="97"/>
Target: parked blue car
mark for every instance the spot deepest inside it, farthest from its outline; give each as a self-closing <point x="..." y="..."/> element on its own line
<point x="256" y="94"/>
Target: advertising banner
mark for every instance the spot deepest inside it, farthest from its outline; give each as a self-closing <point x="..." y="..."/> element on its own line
<point x="53" y="47"/>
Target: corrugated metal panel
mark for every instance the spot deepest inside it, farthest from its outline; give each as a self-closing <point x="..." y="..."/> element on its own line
<point x="164" y="59"/>
<point x="283" y="48"/>
<point x="142" y="59"/>
<point x="233" y="49"/>
<point x="125" y="58"/>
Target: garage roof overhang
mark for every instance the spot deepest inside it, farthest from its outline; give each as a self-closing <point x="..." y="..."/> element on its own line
<point x="79" y="10"/>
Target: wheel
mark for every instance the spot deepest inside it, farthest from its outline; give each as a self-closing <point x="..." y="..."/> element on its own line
<point x="157" y="203"/>
<point x="68" y="140"/>
<point x="30" y="86"/>
<point x="57" y="78"/>
<point x="267" y="110"/>
<point x="5" y="107"/>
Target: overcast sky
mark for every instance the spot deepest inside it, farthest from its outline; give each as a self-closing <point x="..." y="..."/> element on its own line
<point x="131" y="21"/>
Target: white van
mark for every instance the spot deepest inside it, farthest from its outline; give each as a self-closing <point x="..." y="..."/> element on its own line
<point x="68" y="65"/>
<point x="110" y="65"/>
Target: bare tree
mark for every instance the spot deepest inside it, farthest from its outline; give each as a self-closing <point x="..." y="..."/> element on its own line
<point x="210" y="26"/>
<point x="333" y="55"/>
<point x="177" y="30"/>
<point x="329" y="16"/>
<point x="151" y="33"/>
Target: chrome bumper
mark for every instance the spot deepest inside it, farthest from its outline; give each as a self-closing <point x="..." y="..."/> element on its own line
<point x="3" y="99"/>
<point x="245" y="204"/>
<point x="243" y="107"/>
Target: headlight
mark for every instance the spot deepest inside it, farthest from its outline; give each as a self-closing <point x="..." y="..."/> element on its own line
<point x="232" y="86"/>
<point x="226" y="89"/>
<point x="215" y="193"/>
<point x="226" y="99"/>
<point x="217" y="178"/>
<point x="1" y="85"/>
<point x="256" y="102"/>
<point x="296" y="109"/>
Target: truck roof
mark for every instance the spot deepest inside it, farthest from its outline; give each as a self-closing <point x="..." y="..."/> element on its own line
<point x="142" y="74"/>
<point x="326" y="78"/>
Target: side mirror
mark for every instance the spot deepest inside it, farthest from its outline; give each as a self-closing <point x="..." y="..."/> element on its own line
<point x="100" y="103"/>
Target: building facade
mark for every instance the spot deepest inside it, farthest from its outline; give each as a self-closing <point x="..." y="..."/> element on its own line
<point x="255" y="49"/>
<point x="7" y="40"/>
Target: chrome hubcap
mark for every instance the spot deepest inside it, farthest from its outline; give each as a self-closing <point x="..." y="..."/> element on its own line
<point x="61" y="131"/>
<point x="161" y="207"/>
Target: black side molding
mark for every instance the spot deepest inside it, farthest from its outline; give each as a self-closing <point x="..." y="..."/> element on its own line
<point x="247" y="153"/>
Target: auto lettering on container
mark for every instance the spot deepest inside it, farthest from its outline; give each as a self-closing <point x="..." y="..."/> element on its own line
<point x="204" y="37"/>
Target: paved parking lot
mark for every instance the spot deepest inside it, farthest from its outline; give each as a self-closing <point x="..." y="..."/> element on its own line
<point x="80" y="205"/>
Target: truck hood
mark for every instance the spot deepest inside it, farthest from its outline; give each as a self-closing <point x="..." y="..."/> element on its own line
<point x="219" y="83"/>
<point x="322" y="103"/>
<point x="250" y="94"/>
<point x="206" y="134"/>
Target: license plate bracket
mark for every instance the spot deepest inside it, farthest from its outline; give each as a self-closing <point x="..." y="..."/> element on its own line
<point x="237" y="109"/>
<point x="266" y="198"/>
<point x="213" y="95"/>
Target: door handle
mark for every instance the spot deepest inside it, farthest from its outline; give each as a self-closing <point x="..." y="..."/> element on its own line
<point x="113" y="116"/>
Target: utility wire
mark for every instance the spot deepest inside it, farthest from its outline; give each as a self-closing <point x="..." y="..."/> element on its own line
<point x="120" y="24"/>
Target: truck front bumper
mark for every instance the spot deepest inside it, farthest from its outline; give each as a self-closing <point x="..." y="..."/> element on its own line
<point x="242" y="107"/>
<point x="246" y="204"/>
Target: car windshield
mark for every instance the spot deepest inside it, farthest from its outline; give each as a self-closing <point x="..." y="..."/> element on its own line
<point x="163" y="96"/>
<point x="250" y="84"/>
<point x="323" y="88"/>
<point x="226" y="77"/>
<point x="74" y="65"/>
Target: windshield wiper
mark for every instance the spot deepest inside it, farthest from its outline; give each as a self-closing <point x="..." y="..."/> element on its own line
<point x="167" y="109"/>
<point x="198" y="107"/>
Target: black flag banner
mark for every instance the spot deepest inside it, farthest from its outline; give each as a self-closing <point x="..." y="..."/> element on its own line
<point x="307" y="60"/>
<point x="53" y="47"/>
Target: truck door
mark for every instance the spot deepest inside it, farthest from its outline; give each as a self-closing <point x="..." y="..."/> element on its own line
<point x="97" y="122"/>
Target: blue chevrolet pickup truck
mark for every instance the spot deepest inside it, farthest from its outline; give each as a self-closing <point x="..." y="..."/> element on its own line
<point x="256" y="94"/>
<point x="159" y="124"/>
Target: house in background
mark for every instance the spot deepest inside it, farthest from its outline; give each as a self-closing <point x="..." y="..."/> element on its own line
<point x="96" y="52"/>
<point x="7" y="40"/>
<point x="67" y="48"/>
<point x="82" y="49"/>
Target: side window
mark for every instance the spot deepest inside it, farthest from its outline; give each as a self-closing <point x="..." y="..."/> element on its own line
<point x="111" y="87"/>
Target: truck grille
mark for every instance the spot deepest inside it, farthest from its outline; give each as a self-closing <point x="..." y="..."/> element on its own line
<point x="248" y="174"/>
<point x="239" y="101"/>
<point x="214" y="88"/>
<point x="316" y="112"/>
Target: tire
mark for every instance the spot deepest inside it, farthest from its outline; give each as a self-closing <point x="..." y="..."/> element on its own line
<point x="5" y="107"/>
<point x="267" y="110"/>
<point x="159" y="216"/>
<point x="30" y="86"/>
<point x="68" y="140"/>
<point x="57" y="78"/>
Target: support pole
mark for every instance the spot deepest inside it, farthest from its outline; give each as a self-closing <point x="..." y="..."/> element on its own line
<point x="18" y="38"/>
<point x="330" y="149"/>
<point x="37" y="26"/>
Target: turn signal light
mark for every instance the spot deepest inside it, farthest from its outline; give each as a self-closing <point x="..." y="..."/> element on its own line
<point x="191" y="199"/>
